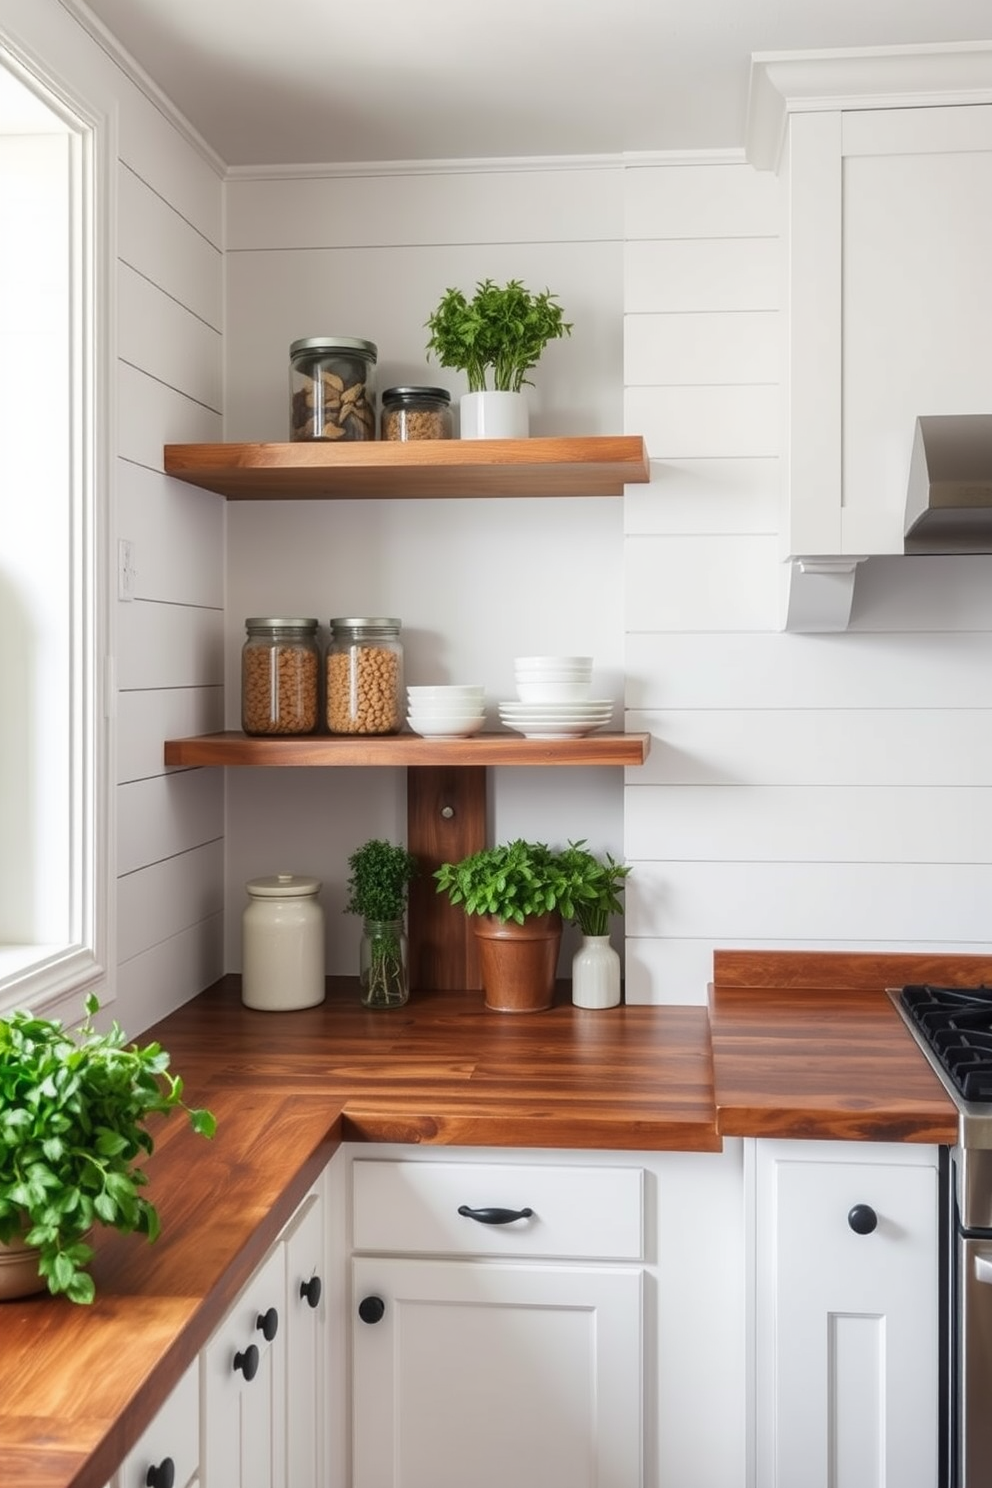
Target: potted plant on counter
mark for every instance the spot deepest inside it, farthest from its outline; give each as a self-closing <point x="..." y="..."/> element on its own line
<point x="495" y="338"/>
<point x="74" y="1113"/>
<point x="517" y="895"/>
<point x="381" y="873"/>
<point x="596" y="964"/>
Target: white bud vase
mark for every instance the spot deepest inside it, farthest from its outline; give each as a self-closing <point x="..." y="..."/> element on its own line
<point x="595" y="973"/>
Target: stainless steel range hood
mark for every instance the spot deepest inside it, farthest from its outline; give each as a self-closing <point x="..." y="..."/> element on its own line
<point x="949" y="505"/>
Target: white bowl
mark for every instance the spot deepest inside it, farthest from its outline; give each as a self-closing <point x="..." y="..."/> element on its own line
<point x="445" y="710"/>
<point x="446" y="728"/>
<point x="552" y="692"/>
<point x="442" y="690"/>
<point x="569" y="664"/>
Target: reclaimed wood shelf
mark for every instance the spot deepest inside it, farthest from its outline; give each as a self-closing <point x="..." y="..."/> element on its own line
<point x="594" y="465"/>
<point x="234" y="748"/>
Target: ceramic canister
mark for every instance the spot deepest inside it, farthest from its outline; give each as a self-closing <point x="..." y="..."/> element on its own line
<point x="282" y="943"/>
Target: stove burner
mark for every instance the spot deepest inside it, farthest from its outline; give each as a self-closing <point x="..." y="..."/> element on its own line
<point x="956" y="1023"/>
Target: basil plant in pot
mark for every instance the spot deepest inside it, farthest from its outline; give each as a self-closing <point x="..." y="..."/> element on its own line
<point x="596" y="964"/>
<point x="495" y="338"/>
<point x="381" y="873"/>
<point x="74" y="1130"/>
<point x="517" y="895"/>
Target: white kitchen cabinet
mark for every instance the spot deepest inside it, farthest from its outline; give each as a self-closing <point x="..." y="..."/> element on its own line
<point x="497" y="1352"/>
<point x="845" y="1323"/>
<point x="263" y="1372"/>
<point x="167" y="1454"/>
<point x="887" y="234"/>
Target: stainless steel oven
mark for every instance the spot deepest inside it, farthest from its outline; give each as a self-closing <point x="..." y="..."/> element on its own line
<point x="953" y="1026"/>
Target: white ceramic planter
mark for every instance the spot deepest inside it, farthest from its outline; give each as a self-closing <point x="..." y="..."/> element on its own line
<point x="596" y="973"/>
<point x="492" y="415"/>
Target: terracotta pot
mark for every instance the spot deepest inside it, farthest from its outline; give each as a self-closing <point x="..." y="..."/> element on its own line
<point x="518" y="962"/>
<point x="19" y="1271"/>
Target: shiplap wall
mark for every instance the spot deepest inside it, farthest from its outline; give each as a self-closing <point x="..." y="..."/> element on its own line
<point x="810" y="791"/>
<point x="166" y="384"/>
<point x="474" y="582"/>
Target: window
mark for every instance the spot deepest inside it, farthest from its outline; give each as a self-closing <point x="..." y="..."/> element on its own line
<point x="52" y="616"/>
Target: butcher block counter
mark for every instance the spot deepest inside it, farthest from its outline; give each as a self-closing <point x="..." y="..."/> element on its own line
<point x="820" y="1053"/>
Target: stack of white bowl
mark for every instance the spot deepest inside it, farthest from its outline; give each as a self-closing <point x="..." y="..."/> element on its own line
<point x="553" y="699"/>
<point x="446" y="712"/>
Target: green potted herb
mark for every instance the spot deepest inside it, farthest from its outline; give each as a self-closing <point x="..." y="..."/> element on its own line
<point x="596" y="964"/>
<point x="74" y="1112"/>
<point x="517" y="895"/>
<point x="495" y="338"/>
<point x="381" y="873"/>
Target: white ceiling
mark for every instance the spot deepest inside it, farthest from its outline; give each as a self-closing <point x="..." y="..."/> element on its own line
<point x="280" y="82"/>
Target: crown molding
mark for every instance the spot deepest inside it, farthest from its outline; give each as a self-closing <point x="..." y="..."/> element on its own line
<point x="923" y="76"/>
<point x="107" y="42"/>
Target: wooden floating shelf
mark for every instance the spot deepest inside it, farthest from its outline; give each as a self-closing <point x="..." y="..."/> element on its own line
<point x="597" y="465"/>
<point x="234" y="748"/>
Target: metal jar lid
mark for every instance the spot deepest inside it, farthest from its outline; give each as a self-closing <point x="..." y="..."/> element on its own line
<point x="332" y="344"/>
<point x="393" y="394"/>
<point x="283" y="886"/>
<point x="374" y="622"/>
<point x="279" y="622"/>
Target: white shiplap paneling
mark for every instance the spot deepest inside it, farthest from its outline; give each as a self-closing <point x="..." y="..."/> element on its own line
<point x="176" y="533"/>
<point x="160" y="244"/>
<point x="718" y="346"/>
<point x="168" y="645"/>
<point x="708" y="274"/>
<point x="680" y="422"/>
<point x="155" y="981"/>
<point x="151" y="415"/>
<point x="700" y="583"/>
<point x="700" y="200"/>
<point x="814" y="746"/>
<point x="163" y="900"/>
<point x="164" y="339"/>
<point x="696" y="496"/>
<point x="166" y="815"/>
<point x="145" y="719"/>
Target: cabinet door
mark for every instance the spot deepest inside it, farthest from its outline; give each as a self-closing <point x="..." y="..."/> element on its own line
<point x="168" y="1450"/>
<point x="846" y="1322"/>
<point x="492" y="1373"/>
<point x="244" y="1383"/>
<point x="306" y="1325"/>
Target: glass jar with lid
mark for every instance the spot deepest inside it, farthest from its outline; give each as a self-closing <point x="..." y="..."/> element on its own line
<point x="416" y="413"/>
<point x="280" y="676"/>
<point x="364" y="676"/>
<point x="332" y="388"/>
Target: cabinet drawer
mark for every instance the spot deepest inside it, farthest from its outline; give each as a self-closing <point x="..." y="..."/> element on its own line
<point x="577" y="1212"/>
<point x="174" y="1434"/>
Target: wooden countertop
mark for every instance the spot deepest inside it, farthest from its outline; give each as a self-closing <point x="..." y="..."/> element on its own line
<point x="80" y="1384"/>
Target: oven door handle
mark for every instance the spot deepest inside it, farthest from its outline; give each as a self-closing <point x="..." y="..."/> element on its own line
<point x="983" y="1269"/>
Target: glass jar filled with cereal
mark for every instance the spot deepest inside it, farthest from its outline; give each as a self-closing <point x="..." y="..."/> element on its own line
<point x="364" y="677"/>
<point x="280" y="670"/>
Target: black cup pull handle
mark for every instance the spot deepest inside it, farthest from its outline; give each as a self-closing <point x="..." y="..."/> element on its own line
<point x="371" y="1309"/>
<point x="247" y="1362"/>
<point x="862" y="1219"/>
<point x="163" y="1476"/>
<point x="310" y="1291"/>
<point x="495" y="1216"/>
<point x="267" y="1324"/>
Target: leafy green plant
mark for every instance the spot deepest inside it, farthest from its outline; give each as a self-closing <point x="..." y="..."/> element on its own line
<point x="518" y="879"/>
<point x="73" y="1114"/>
<point x="381" y="873"/>
<point x="602" y="883"/>
<point x="502" y="330"/>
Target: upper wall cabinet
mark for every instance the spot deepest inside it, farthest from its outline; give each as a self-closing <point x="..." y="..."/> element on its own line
<point x="885" y="160"/>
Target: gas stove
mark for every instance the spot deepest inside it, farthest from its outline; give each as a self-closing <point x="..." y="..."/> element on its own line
<point x="953" y="1026"/>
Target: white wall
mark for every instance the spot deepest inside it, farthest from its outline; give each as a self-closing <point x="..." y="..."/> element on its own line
<point x="827" y="791"/>
<point x="166" y="385"/>
<point x="475" y="583"/>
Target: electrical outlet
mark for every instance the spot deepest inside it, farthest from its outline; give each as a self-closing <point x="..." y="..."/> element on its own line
<point x="125" y="569"/>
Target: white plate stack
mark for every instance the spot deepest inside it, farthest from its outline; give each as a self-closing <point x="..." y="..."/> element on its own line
<point x="553" y="699"/>
<point x="446" y="712"/>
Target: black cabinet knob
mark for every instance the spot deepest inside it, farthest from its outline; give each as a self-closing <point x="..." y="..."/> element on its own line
<point x="247" y="1362"/>
<point x="310" y="1291"/>
<point x="862" y="1219"/>
<point x="494" y="1216"/>
<point x="163" y="1476"/>
<point x="371" y="1309"/>
<point x="267" y="1324"/>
